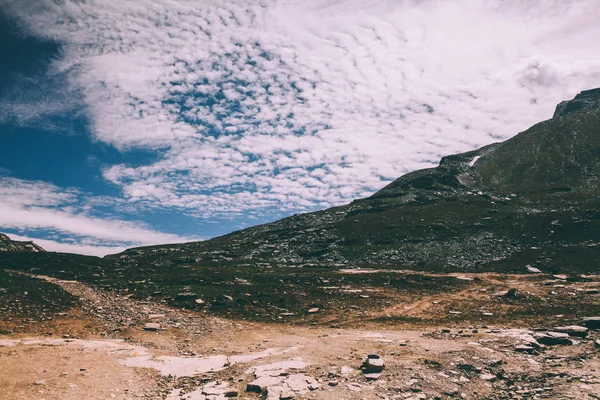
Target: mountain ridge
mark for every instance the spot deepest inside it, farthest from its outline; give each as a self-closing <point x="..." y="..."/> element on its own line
<point x="491" y="208"/>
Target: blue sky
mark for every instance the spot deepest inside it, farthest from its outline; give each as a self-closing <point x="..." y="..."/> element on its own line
<point x="128" y="123"/>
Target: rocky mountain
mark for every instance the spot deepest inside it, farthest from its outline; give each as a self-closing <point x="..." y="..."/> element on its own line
<point x="531" y="200"/>
<point x="9" y="245"/>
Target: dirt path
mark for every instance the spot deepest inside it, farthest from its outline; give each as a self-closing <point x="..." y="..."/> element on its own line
<point x="191" y="356"/>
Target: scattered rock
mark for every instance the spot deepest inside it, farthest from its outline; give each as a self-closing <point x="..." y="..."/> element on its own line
<point x="152" y="326"/>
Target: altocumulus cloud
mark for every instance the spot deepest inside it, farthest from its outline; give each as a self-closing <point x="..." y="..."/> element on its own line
<point x="297" y="104"/>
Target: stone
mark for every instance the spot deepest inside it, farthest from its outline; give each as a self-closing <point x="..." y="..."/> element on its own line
<point x="152" y="326"/>
<point x="487" y="377"/>
<point x="552" y="338"/>
<point x="524" y="349"/>
<point x="301" y="383"/>
<point x="156" y="316"/>
<point x="39" y="383"/>
<point x="372" y="376"/>
<point x="199" y="301"/>
<point x="533" y="269"/>
<point x="228" y="298"/>
<point x="592" y="322"/>
<point x="261" y="384"/>
<point x="372" y="364"/>
<point x="185" y="296"/>
<point x="313" y="310"/>
<point x="573" y="330"/>
<point x="562" y="277"/>
<point x="286" y="394"/>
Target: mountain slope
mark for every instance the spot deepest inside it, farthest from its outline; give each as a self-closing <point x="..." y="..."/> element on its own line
<point x="532" y="199"/>
<point x="9" y="245"/>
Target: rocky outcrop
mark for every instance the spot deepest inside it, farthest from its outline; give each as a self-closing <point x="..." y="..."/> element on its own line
<point x="588" y="99"/>
<point x="9" y="245"/>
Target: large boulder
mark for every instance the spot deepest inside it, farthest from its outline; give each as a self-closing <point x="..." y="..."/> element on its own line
<point x="573" y="330"/>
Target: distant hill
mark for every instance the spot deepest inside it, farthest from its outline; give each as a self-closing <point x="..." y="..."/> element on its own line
<point x="531" y="200"/>
<point x="8" y="245"/>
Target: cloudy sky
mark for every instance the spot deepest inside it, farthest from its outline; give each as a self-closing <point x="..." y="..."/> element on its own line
<point x="135" y="122"/>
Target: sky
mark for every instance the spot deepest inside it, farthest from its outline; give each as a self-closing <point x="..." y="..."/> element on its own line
<point x="135" y="122"/>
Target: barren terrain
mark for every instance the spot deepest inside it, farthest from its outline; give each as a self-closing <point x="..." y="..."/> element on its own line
<point x="468" y="343"/>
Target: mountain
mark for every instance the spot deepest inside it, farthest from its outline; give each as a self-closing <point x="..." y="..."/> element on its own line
<point x="531" y="200"/>
<point x="8" y="245"/>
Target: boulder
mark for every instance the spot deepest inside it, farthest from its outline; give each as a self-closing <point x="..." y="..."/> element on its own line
<point x="573" y="330"/>
<point x="552" y="338"/>
<point x="372" y="364"/>
<point x="592" y="322"/>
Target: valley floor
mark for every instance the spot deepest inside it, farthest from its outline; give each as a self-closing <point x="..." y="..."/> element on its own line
<point x="112" y="346"/>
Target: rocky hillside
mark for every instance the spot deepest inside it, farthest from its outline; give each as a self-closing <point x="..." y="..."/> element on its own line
<point x="529" y="201"/>
<point x="8" y="245"/>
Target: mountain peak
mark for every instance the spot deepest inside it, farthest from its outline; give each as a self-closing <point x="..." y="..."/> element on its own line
<point x="587" y="99"/>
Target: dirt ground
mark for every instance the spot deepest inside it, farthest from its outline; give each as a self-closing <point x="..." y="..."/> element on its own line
<point x="81" y="355"/>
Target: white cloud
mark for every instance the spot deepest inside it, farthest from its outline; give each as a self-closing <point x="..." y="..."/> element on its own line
<point x="28" y="206"/>
<point x="247" y="99"/>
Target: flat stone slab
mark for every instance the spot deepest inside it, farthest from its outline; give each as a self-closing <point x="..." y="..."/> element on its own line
<point x="152" y="326"/>
<point x="262" y="384"/>
<point x="573" y="330"/>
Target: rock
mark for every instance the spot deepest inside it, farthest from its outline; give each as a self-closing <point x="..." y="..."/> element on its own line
<point x="597" y="343"/>
<point x="561" y="277"/>
<point x="572" y="330"/>
<point x="552" y="338"/>
<point x="372" y="376"/>
<point x="152" y="326"/>
<point x="313" y="310"/>
<point x="587" y="99"/>
<point x="487" y="377"/>
<point x="199" y="301"/>
<point x="533" y="269"/>
<point x="39" y="383"/>
<point x="286" y="394"/>
<point x="301" y="383"/>
<point x="261" y="384"/>
<point x="226" y="297"/>
<point x="185" y="296"/>
<point x="591" y="291"/>
<point x="156" y="316"/>
<point x="592" y="322"/>
<point x="524" y="349"/>
<point x="372" y="364"/>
